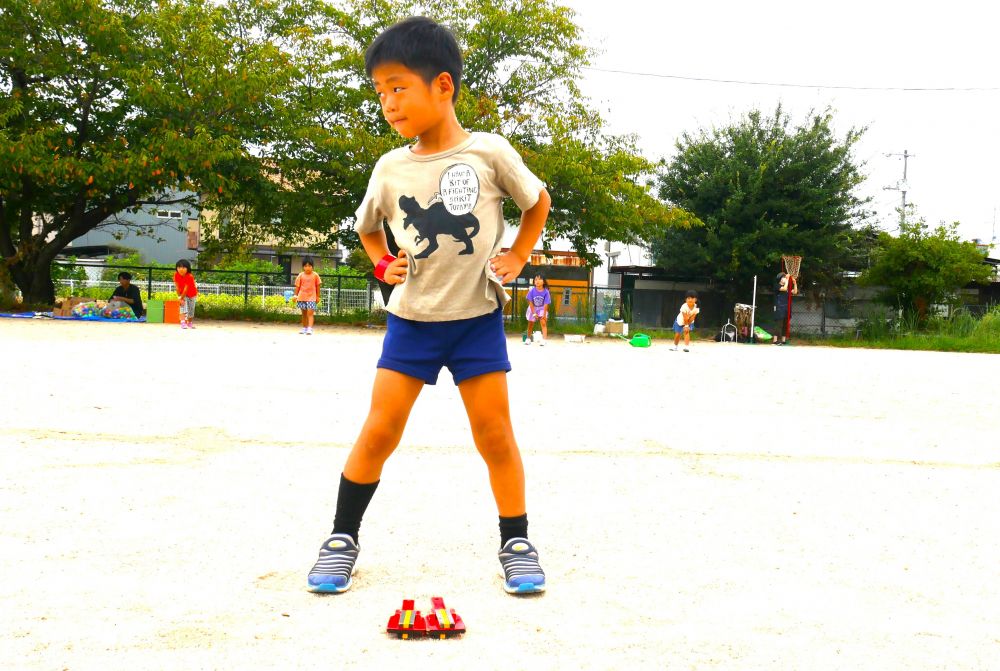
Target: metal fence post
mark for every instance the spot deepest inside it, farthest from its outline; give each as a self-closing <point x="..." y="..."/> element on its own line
<point x="339" y="281"/>
<point x="149" y="283"/>
<point x="822" y="317"/>
<point x="513" y="310"/>
<point x="246" y="288"/>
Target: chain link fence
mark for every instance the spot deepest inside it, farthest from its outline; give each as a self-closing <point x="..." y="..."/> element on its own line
<point x="575" y="306"/>
<point x="340" y="295"/>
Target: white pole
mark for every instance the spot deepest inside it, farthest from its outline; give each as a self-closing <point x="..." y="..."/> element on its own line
<point x="753" y="308"/>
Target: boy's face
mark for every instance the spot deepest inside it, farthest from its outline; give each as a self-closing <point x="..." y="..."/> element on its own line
<point x="307" y="268"/>
<point x="182" y="270"/>
<point x="691" y="301"/>
<point x="124" y="282"/>
<point x="409" y="104"/>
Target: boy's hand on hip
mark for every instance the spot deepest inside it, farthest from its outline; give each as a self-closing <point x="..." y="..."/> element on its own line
<point x="395" y="272"/>
<point x="507" y="267"/>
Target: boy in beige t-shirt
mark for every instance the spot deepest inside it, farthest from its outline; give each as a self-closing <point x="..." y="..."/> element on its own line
<point x="441" y="198"/>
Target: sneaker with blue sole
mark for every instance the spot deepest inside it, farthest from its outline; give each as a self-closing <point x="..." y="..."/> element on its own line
<point x="522" y="573"/>
<point x="333" y="571"/>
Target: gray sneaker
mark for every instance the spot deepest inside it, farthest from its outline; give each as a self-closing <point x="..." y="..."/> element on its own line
<point x="521" y="572"/>
<point x="335" y="566"/>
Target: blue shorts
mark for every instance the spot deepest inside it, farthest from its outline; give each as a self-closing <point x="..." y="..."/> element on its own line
<point x="680" y="329"/>
<point x="468" y="347"/>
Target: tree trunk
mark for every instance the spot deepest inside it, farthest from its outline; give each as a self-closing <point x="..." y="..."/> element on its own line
<point x="33" y="277"/>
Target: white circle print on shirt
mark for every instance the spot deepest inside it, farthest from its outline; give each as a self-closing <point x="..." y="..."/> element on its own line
<point x="459" y="188"/>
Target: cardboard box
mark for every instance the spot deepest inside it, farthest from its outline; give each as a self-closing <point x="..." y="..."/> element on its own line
<point x="615" y="328"/>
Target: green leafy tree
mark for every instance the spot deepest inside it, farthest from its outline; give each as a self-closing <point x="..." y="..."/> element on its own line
<point x="234" y="270"/>
<point x="107" y="105"/>
<point x="358" y="262"/>
<point x="261" y="108"/>
<point x="923" y="267"/>
<point x="764" y="187"/>
<point x="522" y="63"/>
<point x="68" y="271"/>
<point x="349" y="278"/>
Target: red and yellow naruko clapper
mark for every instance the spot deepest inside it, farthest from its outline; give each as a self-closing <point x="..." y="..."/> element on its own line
<point x="407" y="622"/>
<point x="443" y="622"/>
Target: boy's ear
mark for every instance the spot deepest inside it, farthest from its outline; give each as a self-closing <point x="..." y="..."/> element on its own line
<point x="445" y="85"/>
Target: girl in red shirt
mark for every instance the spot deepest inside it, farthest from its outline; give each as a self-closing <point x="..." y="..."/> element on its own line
<point x="307" y="294"/>
<point x="187" y="291"/>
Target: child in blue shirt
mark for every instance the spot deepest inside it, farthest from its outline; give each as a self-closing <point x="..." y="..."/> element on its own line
<point x="441" y="197"/>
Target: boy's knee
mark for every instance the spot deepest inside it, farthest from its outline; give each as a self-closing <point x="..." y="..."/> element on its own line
<point x="380" y="433"/>
<point x="495" y="439"/>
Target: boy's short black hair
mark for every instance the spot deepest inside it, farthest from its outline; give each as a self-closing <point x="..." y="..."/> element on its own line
<point x="691" y="293"/>
<point x="420" y="44"/>
<point x="308" y="261"/>
<point x="125" y="276"/>
<point x="183" y="263"/>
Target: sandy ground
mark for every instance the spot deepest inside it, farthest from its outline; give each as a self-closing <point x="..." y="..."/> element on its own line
<point x="164" y="494"/>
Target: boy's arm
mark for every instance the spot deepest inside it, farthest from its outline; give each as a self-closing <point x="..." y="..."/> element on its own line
<point x="377" y="247"/>
<point x="508" y="267"/>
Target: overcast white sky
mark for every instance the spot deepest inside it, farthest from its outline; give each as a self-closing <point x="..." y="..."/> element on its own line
<point x="954" y="135"/>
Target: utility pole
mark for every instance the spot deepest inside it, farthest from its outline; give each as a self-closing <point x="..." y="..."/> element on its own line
<point x="902" y="185"/>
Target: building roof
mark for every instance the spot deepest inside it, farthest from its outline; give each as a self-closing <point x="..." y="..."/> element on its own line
<point x="543" y="257"/>
<point x="654" y="273"/>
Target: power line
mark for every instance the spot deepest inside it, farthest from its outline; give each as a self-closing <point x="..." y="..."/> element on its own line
<point x="742" y="82"/>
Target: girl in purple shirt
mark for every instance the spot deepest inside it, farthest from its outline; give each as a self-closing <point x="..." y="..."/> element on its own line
<point x="539" y="299"/>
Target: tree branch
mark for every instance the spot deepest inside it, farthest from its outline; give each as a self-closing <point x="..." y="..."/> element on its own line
<point x="173" y="201"/>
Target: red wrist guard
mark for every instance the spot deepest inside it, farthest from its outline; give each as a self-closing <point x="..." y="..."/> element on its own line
<point x="382" y="265"/>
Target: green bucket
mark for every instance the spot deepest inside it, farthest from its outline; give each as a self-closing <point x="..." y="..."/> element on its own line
<point x="640" y="340"/>
<point x="154" y="312"/>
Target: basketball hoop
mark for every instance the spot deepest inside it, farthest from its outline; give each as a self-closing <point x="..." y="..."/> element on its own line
<point x="792" y="265"/>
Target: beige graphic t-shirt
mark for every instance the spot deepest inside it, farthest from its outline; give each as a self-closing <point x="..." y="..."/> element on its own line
<point x="445" y="211"/>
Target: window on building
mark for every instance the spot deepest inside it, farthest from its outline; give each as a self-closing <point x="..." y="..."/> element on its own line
<point x="175" y="214"/>
<point x="567" y="294"/>
<point x="162" y="214"/>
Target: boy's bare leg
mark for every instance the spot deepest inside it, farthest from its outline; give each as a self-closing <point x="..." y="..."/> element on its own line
<point x="486" y="402"/>
<point x="393" y="396"/>
<point x="545" y="328"/>
<point x="310" y="317"/>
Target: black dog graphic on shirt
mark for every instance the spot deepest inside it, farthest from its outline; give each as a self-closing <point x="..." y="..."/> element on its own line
<point x="437" y="220"/>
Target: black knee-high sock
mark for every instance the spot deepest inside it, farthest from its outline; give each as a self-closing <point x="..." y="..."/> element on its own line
<point x="352" y="501"/>
<point x="513" y="527"/>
